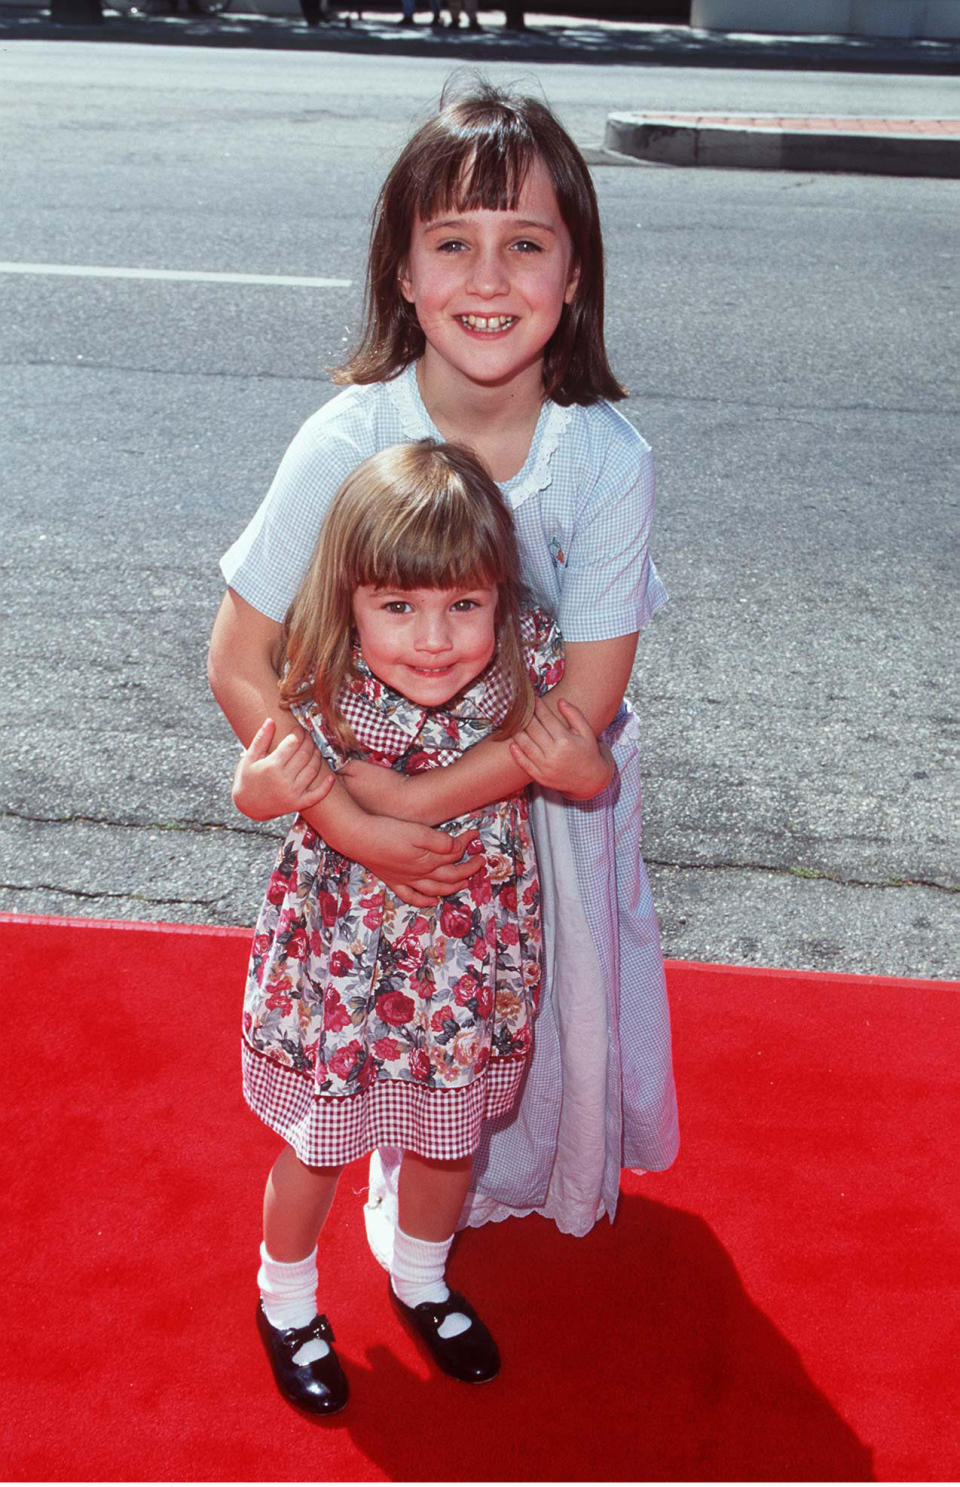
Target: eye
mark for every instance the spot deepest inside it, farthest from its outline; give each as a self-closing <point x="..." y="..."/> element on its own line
<point x="464" y="606"/>
<point x="451" y="245"/>
<point x="528" y="245"/>
<point x="397" y="606"/>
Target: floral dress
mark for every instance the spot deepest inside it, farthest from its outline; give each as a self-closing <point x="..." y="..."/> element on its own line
<point x="368" y="1021"/>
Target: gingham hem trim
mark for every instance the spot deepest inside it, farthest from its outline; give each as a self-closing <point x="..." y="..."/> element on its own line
<point x="330" y="1130"/>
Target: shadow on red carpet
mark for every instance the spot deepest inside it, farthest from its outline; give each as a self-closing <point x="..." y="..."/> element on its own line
<point x="777" y="1307"/>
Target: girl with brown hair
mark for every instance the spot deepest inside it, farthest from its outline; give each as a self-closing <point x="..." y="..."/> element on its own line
<point x="485" y="325"/>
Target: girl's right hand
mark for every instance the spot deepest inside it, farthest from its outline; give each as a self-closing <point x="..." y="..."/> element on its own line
<point x="417" y="863"/>
<point x="293" y="777"/>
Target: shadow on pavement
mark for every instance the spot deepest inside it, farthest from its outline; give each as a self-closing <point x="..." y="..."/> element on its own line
<point x="546" y="39"/>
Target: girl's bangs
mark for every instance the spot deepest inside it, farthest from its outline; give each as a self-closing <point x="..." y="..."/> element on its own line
<point x="431" y="555"/>
<point x="409" y="567"/>
<point x="481" y="170"/>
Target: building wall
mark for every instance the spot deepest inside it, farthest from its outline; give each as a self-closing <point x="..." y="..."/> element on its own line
<point x="916" y="19"/>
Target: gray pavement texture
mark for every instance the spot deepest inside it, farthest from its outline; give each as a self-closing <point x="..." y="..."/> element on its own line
<point x="790" y="345"/>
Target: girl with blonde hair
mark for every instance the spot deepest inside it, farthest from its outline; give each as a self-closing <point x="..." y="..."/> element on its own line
<point x="370" y="1021"/>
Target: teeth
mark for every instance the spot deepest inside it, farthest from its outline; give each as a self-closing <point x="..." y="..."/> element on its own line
<point x="488" y="322"/>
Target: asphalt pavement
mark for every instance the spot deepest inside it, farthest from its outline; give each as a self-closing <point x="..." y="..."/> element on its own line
<point x="789" y="342"/>
<point x="886" y="145"/>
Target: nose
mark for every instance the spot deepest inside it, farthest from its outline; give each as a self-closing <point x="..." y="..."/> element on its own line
<point x="488" y="273"/>
<point x="433" y="634"/>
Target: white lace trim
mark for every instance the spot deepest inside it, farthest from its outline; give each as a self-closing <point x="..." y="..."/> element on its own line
<point x="416" y="424"/>
<point x="577" y="1220"/>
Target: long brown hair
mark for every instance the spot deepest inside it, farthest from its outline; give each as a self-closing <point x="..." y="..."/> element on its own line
<point x="414" y="516"/>
<point x="475" y="154"/>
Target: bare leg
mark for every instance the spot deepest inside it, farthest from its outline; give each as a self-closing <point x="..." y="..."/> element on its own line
<point x="431" y="1195"/>
<point x="295" y="1206"/>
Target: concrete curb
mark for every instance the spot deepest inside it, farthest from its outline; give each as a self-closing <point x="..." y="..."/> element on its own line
<point x="766" y="142"/>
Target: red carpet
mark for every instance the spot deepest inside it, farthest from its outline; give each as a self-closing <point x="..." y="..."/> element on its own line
<point x="782" y="1305"/>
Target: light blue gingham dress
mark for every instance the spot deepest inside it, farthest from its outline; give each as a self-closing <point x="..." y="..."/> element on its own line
<point x="599" y="1093"/>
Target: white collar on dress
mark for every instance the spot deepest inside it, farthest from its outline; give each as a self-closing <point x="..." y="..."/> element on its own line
<point x="535" y="475"/>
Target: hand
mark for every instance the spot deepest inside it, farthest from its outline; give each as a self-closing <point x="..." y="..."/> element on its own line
<point x="420" y="865"/>
<point x="560" y="750"/>
<point x="376" y="789"/>
<point x="291" y="778"/>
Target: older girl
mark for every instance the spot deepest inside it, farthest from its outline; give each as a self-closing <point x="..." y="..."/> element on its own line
<point x="485" y="324"/>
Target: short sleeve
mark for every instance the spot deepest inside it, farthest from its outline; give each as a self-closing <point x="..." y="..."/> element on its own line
<point x="610" y="586"/>
<point x="542" y="649"/>
<point x="267" y="562"/>
<point x="309" y="717"/>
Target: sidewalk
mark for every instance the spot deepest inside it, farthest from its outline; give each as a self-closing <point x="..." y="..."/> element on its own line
<point x="547" y="38"/>
<point x="893" y="147"/>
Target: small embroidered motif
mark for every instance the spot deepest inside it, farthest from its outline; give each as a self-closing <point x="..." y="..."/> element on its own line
<point x="559" y="556"/>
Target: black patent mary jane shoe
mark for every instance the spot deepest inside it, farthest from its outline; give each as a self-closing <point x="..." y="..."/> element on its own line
<point x="320" y="1387"/>
<point x="471" y="1356"/>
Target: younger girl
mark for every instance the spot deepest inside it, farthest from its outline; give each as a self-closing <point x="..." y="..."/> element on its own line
<point x="369" y="1021"/>
<point x="485" y="325"/>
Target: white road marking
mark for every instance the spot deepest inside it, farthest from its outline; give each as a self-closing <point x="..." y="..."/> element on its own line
<point x="188" y="276"/>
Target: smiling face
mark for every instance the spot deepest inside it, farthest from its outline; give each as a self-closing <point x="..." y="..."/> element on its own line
<point x="489" y="287"/>
<point x="427" y="644"/>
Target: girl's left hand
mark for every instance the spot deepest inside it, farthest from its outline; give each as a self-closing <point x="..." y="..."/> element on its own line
<point x="293" y="777"/>
<point x="560" y="750"/>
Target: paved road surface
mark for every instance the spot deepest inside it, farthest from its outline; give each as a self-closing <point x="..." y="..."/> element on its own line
<point x="790" y="343"/>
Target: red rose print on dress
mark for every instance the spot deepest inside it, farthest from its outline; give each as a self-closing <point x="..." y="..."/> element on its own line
<point x="335" y="1015"/>
<point x="508" y="897"/>
<point x="344" y="1059"/>
<point x="296" y="946"/>
<point x="466" y="989"/>
<point x="395" y="1008"/>
<point x="328" y="907"/>
<point x="387" y="1049"/>
<point x="455" y="919"/>
<point x="373" y="904"/>
<point x="420" y="1065"/>
<point x="484" y="1001"/>
<point x="480" y="888"/>
<point x="276" y="889"/>
<point x="341" y="964"/>
<point x="409" y="952"/>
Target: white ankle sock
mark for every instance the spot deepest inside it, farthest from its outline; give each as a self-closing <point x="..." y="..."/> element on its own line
<point x="417" y="1275"/>
<point x="289" y="1296"/>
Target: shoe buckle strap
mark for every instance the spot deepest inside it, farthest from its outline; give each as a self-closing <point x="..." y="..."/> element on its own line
<point x="320" y="1328"/>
